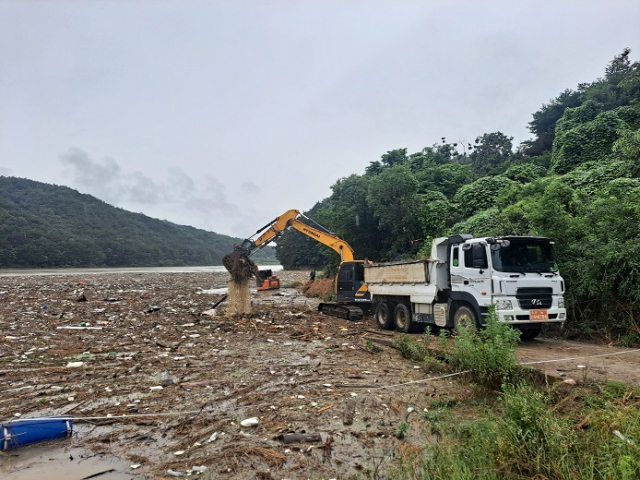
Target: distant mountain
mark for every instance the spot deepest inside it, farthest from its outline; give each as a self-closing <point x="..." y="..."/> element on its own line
<point x="44" y="225"/>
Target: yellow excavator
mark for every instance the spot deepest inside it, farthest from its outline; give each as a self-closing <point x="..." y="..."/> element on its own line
<point x="351" y="293"/>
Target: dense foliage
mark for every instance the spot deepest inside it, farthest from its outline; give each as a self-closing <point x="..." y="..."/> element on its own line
<point x="577" y="181"/>
<point x="45" y="225"/>
<point x="535" y="433"/>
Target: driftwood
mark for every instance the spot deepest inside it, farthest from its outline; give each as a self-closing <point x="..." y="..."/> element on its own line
<point x="300" y="437"/>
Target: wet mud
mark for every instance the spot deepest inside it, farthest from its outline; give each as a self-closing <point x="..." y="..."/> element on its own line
<point x="158" y="383"/>
<point x="155" y="377"/>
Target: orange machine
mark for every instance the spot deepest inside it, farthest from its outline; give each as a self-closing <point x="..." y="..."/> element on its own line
<point x="266" y="280"/>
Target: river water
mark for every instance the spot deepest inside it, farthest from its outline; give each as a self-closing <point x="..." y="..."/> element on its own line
<point x="11" y="272"/>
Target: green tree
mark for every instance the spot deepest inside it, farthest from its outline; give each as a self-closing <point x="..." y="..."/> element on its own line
<point x="491" y="152"/>
<point x="543" y="125"/>
<point x="525" y="173"/>
<point x="392" y="197"/>
<point x="628" y="148"/>
<point x="446" y="178"/>
<point x="348" y="214"/>
<point x="394" y="157"/>
<point x="584" y="135"/>
<point x="437" y="154"/>
<point x="620" y="85"/>
<point x="482" y="224"/>
<point x="436" y="214"/>
<point x="481" y="194"/>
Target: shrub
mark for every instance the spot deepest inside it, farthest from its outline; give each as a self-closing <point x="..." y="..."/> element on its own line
<point x="526" y="435"/>
<point x="411" y="349"/>
<point x="490" y="354"/>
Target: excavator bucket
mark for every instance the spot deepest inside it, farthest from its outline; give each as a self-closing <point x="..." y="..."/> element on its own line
<point x="239" y="265"/>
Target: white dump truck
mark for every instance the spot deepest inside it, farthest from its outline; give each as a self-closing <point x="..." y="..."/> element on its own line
<point x="463" y="277"/>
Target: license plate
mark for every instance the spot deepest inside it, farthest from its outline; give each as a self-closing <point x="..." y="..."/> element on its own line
<point x="538" y="315"/>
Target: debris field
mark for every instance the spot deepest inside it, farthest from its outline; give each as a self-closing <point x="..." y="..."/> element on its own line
<point x="153" y="375"/>
<point x="150" y="373"/>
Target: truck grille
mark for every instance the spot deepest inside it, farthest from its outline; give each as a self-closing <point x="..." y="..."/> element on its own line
<point x="534" y="298"/>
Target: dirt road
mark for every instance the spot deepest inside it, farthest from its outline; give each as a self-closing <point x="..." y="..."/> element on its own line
<point x="155" y="379"/>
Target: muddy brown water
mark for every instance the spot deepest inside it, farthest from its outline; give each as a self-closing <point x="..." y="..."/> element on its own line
<point x="285" y="364"/>
<point x="59" y="461"/>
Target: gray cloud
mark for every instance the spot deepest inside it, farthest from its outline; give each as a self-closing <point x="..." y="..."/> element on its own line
<point x="180" y="198"/>
<point x="106" y="180"/>
<point x="250" y="188"/>
<point x="275" y="98"/>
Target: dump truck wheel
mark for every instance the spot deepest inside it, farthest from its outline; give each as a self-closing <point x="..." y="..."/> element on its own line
<point x="384" y="316"/>
<point x="465" y="318"/>
<point x="529" y="333"/>
<point x="402" y="317"/>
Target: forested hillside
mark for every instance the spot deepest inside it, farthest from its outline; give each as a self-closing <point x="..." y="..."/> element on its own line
<point x="576" y="180"/>
<point x="45" y="225"/>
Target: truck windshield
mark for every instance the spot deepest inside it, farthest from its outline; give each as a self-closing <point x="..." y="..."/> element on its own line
<point x="525" y="256"/>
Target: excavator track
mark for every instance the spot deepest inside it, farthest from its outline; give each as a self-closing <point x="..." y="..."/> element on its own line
<point x="347" y="312"/>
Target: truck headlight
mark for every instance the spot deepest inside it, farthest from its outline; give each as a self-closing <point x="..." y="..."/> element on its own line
<point x="504" y="305"/>
<point x="561" y="302"/>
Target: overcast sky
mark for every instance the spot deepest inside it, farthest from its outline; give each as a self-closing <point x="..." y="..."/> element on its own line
<point x="224" y="114"/>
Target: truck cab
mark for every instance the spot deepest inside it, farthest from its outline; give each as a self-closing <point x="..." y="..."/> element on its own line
<point x="519" y="275"/>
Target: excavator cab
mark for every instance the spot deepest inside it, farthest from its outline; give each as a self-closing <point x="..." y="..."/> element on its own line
<point x="349" y="279"/>
<point x="350" y="286"/>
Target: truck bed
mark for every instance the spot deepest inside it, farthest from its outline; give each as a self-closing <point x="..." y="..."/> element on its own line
<point x="411" y="272"/>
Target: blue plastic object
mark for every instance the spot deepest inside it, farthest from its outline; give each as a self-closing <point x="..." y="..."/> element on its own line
<point x="17" y="433"/>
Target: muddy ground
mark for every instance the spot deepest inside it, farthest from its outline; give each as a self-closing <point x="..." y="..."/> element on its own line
<point x="158" y="383"/>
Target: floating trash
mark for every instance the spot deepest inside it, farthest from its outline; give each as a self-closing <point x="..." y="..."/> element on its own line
<point x="17" y="433"/>
<point x="250" y="422"/>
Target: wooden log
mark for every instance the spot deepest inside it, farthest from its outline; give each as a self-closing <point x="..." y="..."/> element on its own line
<point x="300" y="437"/>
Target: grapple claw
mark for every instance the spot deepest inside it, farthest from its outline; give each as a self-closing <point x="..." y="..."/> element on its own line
<point x="239" y="265"/>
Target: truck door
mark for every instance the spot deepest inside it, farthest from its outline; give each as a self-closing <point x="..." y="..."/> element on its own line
<point x="470" y="273"/>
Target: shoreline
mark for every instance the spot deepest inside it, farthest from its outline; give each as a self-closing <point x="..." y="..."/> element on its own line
<point x="14" y="272"/>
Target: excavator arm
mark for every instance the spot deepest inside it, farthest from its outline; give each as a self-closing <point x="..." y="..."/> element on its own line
<point x="239" y="264"/>
<point x="290" y="219"/>
<point x="270" y="231"/>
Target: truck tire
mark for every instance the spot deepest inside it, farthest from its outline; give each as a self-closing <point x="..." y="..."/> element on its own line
<point x="384" y="316"/>
<point x="465" y="318"/>
<point x="529" y="333"/>
<point x="402" y="318"/>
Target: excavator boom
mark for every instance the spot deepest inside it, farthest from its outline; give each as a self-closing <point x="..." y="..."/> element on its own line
<point x="329" y="239"/>
<point x="289" y="219"/>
